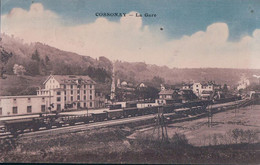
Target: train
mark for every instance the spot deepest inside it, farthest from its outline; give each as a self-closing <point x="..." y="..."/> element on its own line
<point x="48" y="121"/>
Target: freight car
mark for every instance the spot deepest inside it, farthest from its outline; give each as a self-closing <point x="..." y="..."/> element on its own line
<point x="48" y="121"/>
<point x="30" y="124"/>
<point x="115" y="114"/>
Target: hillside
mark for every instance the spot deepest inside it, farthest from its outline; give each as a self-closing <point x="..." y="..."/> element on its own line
<point x="142" y="72"/>
<point x="40" y="60"/>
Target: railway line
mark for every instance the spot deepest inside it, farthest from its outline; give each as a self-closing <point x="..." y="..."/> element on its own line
<point x="80" y="124"/>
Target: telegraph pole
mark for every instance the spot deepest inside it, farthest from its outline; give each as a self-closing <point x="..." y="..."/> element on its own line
<point x="161" y="126"/>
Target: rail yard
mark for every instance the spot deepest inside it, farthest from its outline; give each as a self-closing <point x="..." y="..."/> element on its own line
<point x="81" y="120"/>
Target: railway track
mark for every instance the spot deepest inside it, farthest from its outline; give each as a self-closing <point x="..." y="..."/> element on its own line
<point x="83" y="127"/>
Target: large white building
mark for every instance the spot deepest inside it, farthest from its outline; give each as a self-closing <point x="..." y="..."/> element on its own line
<point x="203" y="90"/>
<point x="59" y="93"/>
<point x="69" y="92"/>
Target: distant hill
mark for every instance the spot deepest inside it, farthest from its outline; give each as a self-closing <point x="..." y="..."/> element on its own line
<point x="142" y="72"/>
<point x="40" y="60"/>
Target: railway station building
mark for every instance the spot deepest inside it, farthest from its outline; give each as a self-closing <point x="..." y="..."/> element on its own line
<point x="19" y="105"/>
<point x="69" y="92"/>
<point x="60" y="92"/>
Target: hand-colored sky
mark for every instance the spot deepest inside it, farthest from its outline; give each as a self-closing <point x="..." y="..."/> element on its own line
<point x="201" y="33"/>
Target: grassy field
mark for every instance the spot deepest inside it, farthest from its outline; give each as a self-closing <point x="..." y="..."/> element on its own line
<point x="134" y="144"/>
<point x="243" y="121"/>
<point x="20" y="85"/>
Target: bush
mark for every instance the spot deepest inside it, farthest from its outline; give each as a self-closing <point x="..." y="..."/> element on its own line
<point x="179" y="140"/>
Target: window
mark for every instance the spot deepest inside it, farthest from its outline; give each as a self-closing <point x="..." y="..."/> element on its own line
<point x="71" y="86"/>
<point x="29" y="109"/>
<point x="85" y="104"/>
<point x="43" y="108"/>
<point x="65" y="98"/>
<point x="29" y="100"/>
<point x="90" y="91"/>
<point x="14" y="100"/>
<point x="71" y="92"/>
<point x="58" y="107"/>
<point x="58" y="92"/>
<point x="84" y="91"/>
<point x="15" y="110"/>
<point x="90" y="104"/>
<point x="58" y="98"/>
<point x="64" y="86"/>
<point x="1" y="112"/>
<point x="71" y="98"/>
<point x="84" y="85"/>
<point x="90" y="97"/>
<point x="43" y="99"/>
<point x="78" y="97"/>
<point x="78" y="91"/>
<point x="65" y="92"/>
<point x="90" y="86"/>
<point x="85" y="98"/>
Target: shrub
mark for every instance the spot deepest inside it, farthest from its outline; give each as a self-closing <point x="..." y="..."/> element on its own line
<point x="179" y="139"/>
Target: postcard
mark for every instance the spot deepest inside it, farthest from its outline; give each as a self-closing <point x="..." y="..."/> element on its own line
<point x="140" y="81"/>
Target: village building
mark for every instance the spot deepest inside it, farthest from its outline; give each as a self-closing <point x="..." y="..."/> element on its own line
<point x="69" y="92"/>
<point x="168" y="96"/>
<point x="59" y="93"/>
<point x="20" y="105"/>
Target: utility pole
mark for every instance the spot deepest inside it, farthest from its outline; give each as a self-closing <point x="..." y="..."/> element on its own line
<point x="113" y="86"/>
<point x="210" y="115"/>
<point x="160" y="126"/>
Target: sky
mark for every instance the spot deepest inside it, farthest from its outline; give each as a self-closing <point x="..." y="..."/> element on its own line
<point x="179" y="33"/>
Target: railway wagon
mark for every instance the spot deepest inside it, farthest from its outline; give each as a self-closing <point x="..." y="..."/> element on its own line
<point x="115" y="106"/>
<point x="71" y="120"/>
<point x="32" y="124"/>
<point x="172" y="116"/>
<point x="97" y="117"/>
<point x="130" y="112"/>
<point x="153" y="109"/>
<point x="14" y="126"/>
<point x="225" y="100"/>
<point x="182" y="111"/>
<point x="168" y="108"/>
<point x="115" y="114"/>
<point x="131" y="105"/>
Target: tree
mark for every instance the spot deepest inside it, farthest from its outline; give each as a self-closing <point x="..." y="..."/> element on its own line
<point x="47" y="60"/>
<point x="5" y="56"/>
<point x="36" y="56"/>
<point x="18" y="69"/>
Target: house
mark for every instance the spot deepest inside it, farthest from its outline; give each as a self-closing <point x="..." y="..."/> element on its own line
<point x="100" y="100"/>
<point x="168" y="96"/>
<point x="197" y="89"/>
<point x="21" y="105"/>
<point x="187" y="95"/>
<point x="142" y="85"/>
<point x="69" y="91"/>
<point x="204" y="90"/>
<point x="186" y="86"/>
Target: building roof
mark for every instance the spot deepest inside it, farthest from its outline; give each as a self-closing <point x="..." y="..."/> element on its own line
<point x="166" y="92"/>
<point x="71" y="79"/>
<point x="207" y="92"/>
<point x="21" y="96"/>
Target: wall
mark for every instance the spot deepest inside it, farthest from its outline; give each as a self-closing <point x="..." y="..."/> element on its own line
<point x="7" y="104"/>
